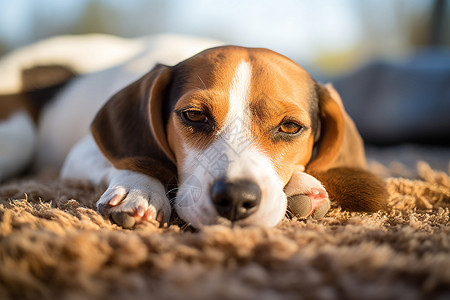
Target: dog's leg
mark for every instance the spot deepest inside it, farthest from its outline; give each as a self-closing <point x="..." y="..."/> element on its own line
<point x="131" y="197"/>
<point x="354" y="189"/>
<point x="306" y="196"/>
<point x="17" y="144"/>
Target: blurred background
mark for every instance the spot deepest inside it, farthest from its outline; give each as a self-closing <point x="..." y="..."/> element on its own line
<point x="389" y="59"/>
<point x="332" y="36"/>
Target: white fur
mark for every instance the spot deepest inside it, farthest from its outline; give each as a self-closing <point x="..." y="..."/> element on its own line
<point x="139" y="190"/>
<point x="302" y="183"/>
<point x="234" y="157"/>
<point x="17" y="144"/>
<point x="237" y="117"/>
<point x="87" y="162"/>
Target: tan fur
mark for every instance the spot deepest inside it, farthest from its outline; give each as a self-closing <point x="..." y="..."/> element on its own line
<point x="351" y="152"/>
<point x="354" y="189"/>
<point x="340" y="162"/>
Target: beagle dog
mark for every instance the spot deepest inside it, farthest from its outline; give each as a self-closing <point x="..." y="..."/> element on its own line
<point x="230" y="135"/>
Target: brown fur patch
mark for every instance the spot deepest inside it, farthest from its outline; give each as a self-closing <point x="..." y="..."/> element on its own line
<point x="10" y="104"/>
<point x="354" y="189"/>
<point x="39" y="85"/>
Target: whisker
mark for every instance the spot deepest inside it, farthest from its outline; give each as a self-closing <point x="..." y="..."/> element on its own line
<point x="172" y="201"/>
<point x="185" y="226"/>
<point x="288" y="212"/>
<point x="172" y="190"/>
<point x="202" y="82"/>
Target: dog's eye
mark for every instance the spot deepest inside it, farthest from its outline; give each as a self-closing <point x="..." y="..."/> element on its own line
<point x="196" y="116"/>
<point x="289" y="128"/>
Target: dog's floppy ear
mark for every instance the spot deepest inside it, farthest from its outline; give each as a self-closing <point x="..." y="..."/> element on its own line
<point x="130" y="129"/>
<point x="340" y="143"/>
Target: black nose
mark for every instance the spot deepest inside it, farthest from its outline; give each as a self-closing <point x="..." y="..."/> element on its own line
<point x="235" y="200"/>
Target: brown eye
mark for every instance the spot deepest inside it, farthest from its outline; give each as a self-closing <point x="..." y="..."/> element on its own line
<point x="290" y="128"/>
<point x="196" y="116"/>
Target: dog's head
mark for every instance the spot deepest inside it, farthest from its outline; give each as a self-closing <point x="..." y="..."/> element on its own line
<point x="236" y="122"/>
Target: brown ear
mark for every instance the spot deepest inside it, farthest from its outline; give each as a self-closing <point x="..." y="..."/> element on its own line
<point x="130" y="129"/>
<point x="340" y="144"/>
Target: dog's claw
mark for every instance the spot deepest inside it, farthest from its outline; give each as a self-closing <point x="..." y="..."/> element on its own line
<point x="114" y="201"/>
<point x="140" y="211"/>
<point x="148" y="215"/>
<point x="160" y="217"/>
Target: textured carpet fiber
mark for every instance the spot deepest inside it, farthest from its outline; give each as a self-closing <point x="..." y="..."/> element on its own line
<point x="53" y="245"/>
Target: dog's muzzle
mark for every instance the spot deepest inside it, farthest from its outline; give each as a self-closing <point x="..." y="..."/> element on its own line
<point x="235" y="200"/>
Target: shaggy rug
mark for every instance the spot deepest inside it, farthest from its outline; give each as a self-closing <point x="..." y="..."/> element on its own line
<point x="53" y="245"/>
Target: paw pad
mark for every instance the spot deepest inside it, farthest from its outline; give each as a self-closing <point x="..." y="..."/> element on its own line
<point x="316" y="204"/>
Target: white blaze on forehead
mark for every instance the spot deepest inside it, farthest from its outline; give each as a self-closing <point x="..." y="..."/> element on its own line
<point x="239" y="96"/>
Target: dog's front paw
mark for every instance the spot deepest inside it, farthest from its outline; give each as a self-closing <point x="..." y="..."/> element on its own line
<point x="307" y="196"/>
<point x="129" y="204"/>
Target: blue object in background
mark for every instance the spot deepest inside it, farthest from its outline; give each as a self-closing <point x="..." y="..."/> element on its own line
<point x="407" y="102"/>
